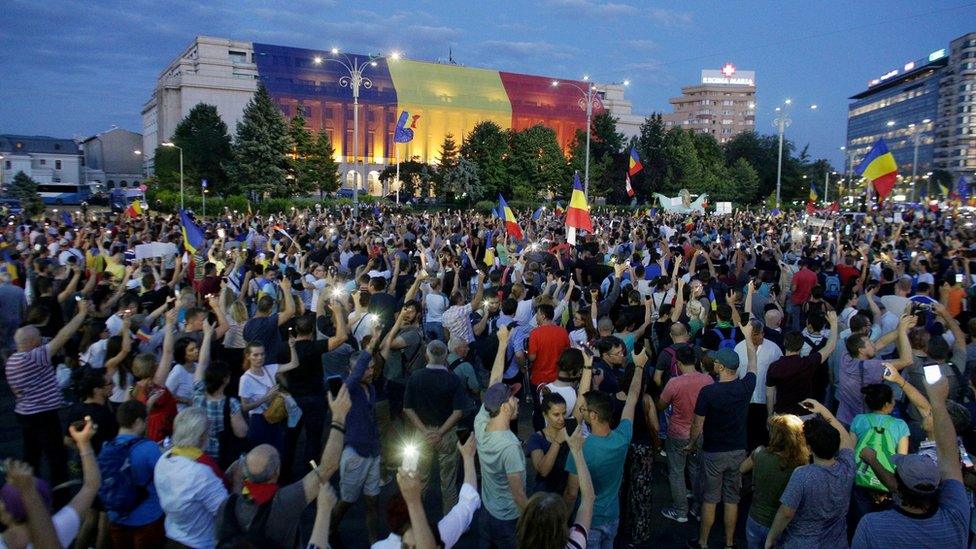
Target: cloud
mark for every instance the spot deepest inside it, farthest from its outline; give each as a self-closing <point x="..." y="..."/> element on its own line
<point x="642" y="45"/>
<point x="670" y="18"/>
<point x="594" y="8"/>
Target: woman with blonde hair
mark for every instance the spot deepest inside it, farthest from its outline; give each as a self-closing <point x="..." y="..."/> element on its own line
<point x="543" y="522"/>
<point x="771" y="468"/>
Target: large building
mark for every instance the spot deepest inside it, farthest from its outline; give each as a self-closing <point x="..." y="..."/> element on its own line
<point x="46" y="160"/>
<point x="930" y="102"/>
<point x="449" y="99"/>
<point x="113" y="159"/>
<point x="723" y="104"/>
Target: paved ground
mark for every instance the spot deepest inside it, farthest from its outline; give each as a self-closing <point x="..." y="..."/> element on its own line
<point x="666" y="534"/>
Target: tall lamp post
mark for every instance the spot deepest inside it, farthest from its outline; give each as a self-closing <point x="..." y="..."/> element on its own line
<point x="355" y="80"/>
<point x="781" y="122"/>
<point x="848" y="167"/>
<point x="586" y="103"/>
<point x="171" y="144"/>
<point x="916" y="137"/>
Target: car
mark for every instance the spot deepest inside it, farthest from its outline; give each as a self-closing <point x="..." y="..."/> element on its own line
<point x="344" y="193"/>
<point x="13" y="205"/>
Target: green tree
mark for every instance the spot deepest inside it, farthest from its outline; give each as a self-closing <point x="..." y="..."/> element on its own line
<point x="416" y="177"/>
<point x="650" y="147"/>
<point x="487" y="147"/>
<point x="461" y="181"/>
<point x="684" y="170"/>
<point x="536" y="164"/>
<point x="745" y="181"/>
<point x="762" y="153"/>
<point x="606" y="144"/>
<point x="323" y="170"/>
<point x="447" y="161"/>
<point x="206" y="145"/>
<point x="302" y="180"/>
<point x="24" y="188"/>
<point x="260" y="147"/>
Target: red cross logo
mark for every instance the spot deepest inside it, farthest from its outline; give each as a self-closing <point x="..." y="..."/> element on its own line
<point x="728" y="70"/>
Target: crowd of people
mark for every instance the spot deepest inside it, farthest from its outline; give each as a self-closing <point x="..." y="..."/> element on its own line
<point x="200" y="382"/>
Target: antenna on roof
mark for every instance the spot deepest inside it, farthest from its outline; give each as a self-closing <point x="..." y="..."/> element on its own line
<point x="450" y="56"/>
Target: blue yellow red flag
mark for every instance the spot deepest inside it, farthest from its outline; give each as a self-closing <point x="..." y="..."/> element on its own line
<point x="635" y="163"/>
<point x="193" y="237"/>
<point x="879" y="168"/>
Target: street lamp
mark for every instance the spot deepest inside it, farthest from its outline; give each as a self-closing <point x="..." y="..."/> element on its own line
<point x="174" y="145"/>
<point x="355" y="80"/>
<point x="586" y="103"/>
<point x="916" y="137"/>
<point x="781" y="121"/>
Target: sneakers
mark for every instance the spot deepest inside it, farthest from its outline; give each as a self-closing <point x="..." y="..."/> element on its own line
<point x="695" y="514"/>
<point x="673" y="514"/>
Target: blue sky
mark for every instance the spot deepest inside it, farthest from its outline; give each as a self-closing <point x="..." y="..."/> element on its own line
<point x="73" y="68"/>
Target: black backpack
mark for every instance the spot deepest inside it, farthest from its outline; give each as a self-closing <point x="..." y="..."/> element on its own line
<point x="230" y="446"/>
<point x="231" y="535"/>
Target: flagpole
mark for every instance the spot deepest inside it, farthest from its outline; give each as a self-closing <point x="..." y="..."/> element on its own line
<point x="396" y="155"/>
<point x="571" y="235"/>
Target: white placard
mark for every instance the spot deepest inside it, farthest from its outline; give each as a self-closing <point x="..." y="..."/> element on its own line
<point x="155" y="249"/>
<point x="723" y="208"/>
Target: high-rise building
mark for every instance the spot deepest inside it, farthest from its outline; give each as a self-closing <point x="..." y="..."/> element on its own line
<point x="722" y="105"/>
<point x="928" y="107"/>
<point x="449" y="99"/>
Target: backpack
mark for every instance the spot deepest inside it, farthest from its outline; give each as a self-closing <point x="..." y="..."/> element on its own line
<point x="815" y="347"/>
<point x="725" y="342"/>
<point x="832" y="286"/>
<point x="673" y="370"/>
<point x="883" y="446"/>
<point x="232" y="535"/>
<point x="119" y="492"/>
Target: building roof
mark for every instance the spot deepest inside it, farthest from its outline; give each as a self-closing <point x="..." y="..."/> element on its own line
<point x="108" y="131"/>
<point x="37" y="144"/>
<point x="918" y="71"/>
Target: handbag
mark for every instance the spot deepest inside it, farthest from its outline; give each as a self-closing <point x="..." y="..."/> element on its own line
<point x="276" y="412"/>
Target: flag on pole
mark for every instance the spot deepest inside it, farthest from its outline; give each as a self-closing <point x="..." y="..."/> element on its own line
<point x="511" y="223"/>
<point x="11" y="267"/>
<point x="134" y="210"/>
<point x="813" y="193"/>
<point x="943" y="189"/>
<point x="559" y="209"/>
<point x="635" y="163"/>
<point x="630" y="190"/>
<point x="880" y="169"/>
<point x="538" y="213"/>
<point x="578" y="214"/>
<point x="193" y="237"/>
<point x="711" y="299"/>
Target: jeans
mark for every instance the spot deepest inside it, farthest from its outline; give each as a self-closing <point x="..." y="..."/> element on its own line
<point x="313" y="422"/>
<point x="678" y="460"/>
<point x="497" y="532"/>
<point x="43" y="437"/>
<point x="434" y="330"/>
<point x="755" y="534"/>
<point x="602" y="536"/>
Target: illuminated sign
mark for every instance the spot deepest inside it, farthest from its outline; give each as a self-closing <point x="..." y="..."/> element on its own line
<point x="937" y="54"/>
<point x="909" y="66"/>
<point x="728" y="75"/>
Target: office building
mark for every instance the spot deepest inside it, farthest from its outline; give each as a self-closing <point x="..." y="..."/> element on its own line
<point x="44" y="159"/>
<point x="928" y="103"/>
<point x="449" y="99"/>
<point x="723" y="104"/>
<point x="113" y="159"/>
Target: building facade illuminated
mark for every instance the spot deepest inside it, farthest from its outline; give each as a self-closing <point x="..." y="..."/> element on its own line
<point x="933" y="100"/>
<point x="722" y="105"/>
<point x="450" y="99"/>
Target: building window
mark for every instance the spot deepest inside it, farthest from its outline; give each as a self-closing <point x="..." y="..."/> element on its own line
<point x="19" y="145"/>
<point x="55" y="179"/>
<point x="7" y="164"/>
<point x="43" y="162"/>
<point x="726" y="122"/>
<point x="57" y="164"/>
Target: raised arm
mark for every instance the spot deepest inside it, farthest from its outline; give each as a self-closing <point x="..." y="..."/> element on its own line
<point x="943" y="431"/>
<point x="90" y="473"/>
<point x="498" y="367"/>
<point x="584" y="515"/>
<point x="640" y="360"/>
<point x="166" y="359"/>
<point x="846" y="439"/>
<point x="329" y="462"/>
<point x="832" y="341"/>
<point x="69" y="330"/>
<point x="69" y="288"/>
<point x="204" y="359"/>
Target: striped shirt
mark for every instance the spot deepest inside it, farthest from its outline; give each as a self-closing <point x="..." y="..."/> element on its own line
<point x="457" y="321"/>
<point x="32" y="380"/>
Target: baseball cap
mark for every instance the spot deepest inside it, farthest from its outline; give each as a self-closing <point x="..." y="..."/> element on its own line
<point x="919" y="473"/>
<point x="498" y="394"/>
<point x="726" y="357"/>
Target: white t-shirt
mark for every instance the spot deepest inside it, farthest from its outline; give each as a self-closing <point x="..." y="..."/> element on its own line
<point x="255" y="386"/>
<point x="568" y="394"/>
<point x="66" y="524"/>
<point x="180" y="384"/>
<point x="436" y="305"/>
<point x="94" y="355"/>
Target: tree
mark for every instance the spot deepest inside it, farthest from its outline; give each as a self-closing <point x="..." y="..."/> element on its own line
<point x="684" y="170"/>
<point x="447" y="162"/>
<point x="762" y="153"/>
<point x="745" y="181"/>
<point x="650" y="147"/>
<point x="416" y="178"/>
<point x="462" y="181"/>
<point x="487" y="146"/>
<point x="323" y="170"/>
<point x="206" y="145"/>
<point x="24" y="188"/>
<point x="606" y="145"/>
<point x="299" y="165"/>
<point x="536" y="163"/>
<point x="260" y="147"/>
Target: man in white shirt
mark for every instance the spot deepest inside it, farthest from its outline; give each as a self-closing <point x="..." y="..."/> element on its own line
<point x="767" y="352"/>
<point x="190" y="492"/>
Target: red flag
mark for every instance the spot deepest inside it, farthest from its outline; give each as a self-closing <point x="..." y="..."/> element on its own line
<point x="835" y="207"/>
<point x="810" y="208"/>
<point x="630" y="190"/>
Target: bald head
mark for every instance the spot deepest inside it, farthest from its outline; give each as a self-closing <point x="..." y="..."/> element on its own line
<point x="27" y="338"/>
<point x="679" y="334"/>
<point x="773" y="318"/>
<point x="263" y="464"/>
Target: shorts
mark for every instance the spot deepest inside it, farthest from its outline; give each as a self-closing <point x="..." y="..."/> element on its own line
<point x="722" y="479"/>
<point x="358" y="475"/>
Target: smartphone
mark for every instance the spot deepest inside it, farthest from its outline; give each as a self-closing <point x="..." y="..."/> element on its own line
<point x="335" y="385"/>
<point x="959" y="278"/>
<point x="463" y="433"/>
<point x="79" y="425"/>
<point x="847" y="230"/>
<point x="933" y="373"/>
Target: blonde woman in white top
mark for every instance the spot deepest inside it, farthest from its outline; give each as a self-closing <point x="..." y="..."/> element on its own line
<point x="258" y="388"/>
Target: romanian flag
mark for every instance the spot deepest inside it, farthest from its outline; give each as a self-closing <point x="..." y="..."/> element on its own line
<point x="193" y="237"/>
<point x="813" y="193"/>
<point x="635" y="163"/>
<point x="712" y="300"/>
<point x="630" y="189"/>
<point x="559" y="210"/>
<point x="11" y="266"/>
<point x="134" y="210"/>
<point x="880" y="169"/>
<point x="511" y="224"/>
<point x="578" y="214"/>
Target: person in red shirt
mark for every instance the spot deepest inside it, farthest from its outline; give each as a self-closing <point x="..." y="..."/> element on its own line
<point x="803" y="282"/>
<point x="546" y="343"/>
<point x="150" y="389"/>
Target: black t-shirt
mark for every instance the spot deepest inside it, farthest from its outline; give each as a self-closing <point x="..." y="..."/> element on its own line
<point x="307" y="378"/>
<point x="384" y="305"/>
<point x="56" y="319"/>
<point x="434" y="394"/>
<point x="555" y="481"/>
<point x="101" y="416"/>
<point x="725" y="406"/>
<point x="792" y="376"/>
<point x="153" y="299"/>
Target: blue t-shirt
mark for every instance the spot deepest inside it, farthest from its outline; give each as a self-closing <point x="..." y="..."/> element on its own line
<point x="946" y="526"/>
<point x="265" y="330"/>
<point x="725" y="406"/>
<point x="820" y="496"/>
<point x="143" y="456"/>
<point x="605" y="458"/>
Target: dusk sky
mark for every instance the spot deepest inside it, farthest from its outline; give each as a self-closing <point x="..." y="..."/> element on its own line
<point x="75" y="68"/>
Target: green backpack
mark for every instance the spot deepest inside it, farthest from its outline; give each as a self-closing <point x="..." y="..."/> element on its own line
<point x="877" y="438"/>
